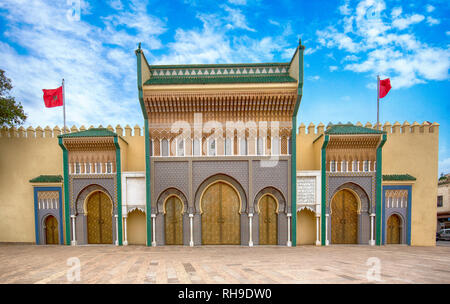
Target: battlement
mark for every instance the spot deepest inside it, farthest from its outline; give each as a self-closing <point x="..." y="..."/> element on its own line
<point x="127" y="131"/>
<point x="396" y="128"/>
<point x="48" y="132"/>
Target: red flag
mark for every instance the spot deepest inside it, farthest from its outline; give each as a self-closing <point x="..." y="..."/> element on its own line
<point x="53" y="98"/>
<point x="385" y="86"/>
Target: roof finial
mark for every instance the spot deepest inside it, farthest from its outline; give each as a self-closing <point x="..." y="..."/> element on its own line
<point x="299" y="41"/>
<point x="139" y="46"/>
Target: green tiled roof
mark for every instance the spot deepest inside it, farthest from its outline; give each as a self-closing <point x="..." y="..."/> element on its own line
<point x="47" y="179"/>
<point x="339" y="129"/>
<point x="219" y="79"/>
<point x="94" y="132"/>
<point x="219" y="65"/>
<point x="398" y="177"/>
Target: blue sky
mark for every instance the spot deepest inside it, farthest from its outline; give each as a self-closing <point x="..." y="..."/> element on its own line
<point x="91" y="44"/>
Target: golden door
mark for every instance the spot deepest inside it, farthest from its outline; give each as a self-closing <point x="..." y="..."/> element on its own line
<point x="220" y="217"/>
<point x="99" y="219"/>
<point x="267" y="221"/>
<point x="393" y="229"/>
<point x="173" y="221"/>
<point x="51" y="230"/>
<point x="344" y="218"/>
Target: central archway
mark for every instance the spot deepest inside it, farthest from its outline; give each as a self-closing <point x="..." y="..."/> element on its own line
<point x="99" y="218"/>
<point x="344" y="218"/>
<point x="220" y="205"/>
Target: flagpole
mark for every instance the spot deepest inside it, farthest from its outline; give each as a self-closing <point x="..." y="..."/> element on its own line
<point x="378" y="102"/>
<point x="64" y="106"/>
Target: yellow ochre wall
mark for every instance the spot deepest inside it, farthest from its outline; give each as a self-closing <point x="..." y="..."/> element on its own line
<point x="416" y="152"/>
<point x="28" y="153"/>
<point x="409" y="149"/>
<point x="25" y="154"/>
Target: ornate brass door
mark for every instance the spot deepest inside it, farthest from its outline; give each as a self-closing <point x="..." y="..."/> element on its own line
<point x="99" y="219"/>
<point x="393" y="229"/>
<point x="220" y="217"/>
<point x="173" y="221"/>
<point x="344" y="218"/>
<point x="267" y="221"/>
<point x="51" y="230"/>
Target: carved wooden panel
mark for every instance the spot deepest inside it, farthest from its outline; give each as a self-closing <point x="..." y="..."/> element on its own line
<point x="99" y="218"/>
<point x="267" y="221"/>
<point x="393" y="229"/>
<point x="51" y="231"/>
<point x="220" y="217"/>
<point x="173" y="221"/>
<point x="344" y="218"/>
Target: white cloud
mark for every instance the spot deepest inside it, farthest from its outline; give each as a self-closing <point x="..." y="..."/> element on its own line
<point x="374" y="45"/>
<point x="313" y="78"/>
<point x="116" y="4"/>
<point x="333" y="68"/>
<point x="430" y="8"/>
<point x="344" y="9"/>
<point x="94" y="60"/>
<point x="432" y="21"/>
<point x="444" y="165"/>
<point x="274" y="22"/>
<point x="402" y="23"/>
<point x="238" y="2"/>
<point x="236" y="19"/>
<point x="396" y="11"/>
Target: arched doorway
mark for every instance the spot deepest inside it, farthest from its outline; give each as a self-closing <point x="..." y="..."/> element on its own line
<point x="220" y="205"/>
<point x="394" y="229"/>
<point x="136" y="232"/>
<point x="173" y="221"/>
<point x="306" y="227"/>
<point x="267" y="220"/>
<point x="51" y="230"/>
<point x="344" y="218"/>
<point x="99" y="218"/>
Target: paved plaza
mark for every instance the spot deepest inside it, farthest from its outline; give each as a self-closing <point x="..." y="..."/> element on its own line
<point x="224" y="264"/>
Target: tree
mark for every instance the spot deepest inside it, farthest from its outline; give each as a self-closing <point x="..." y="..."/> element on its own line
<point x="11" y="111"/>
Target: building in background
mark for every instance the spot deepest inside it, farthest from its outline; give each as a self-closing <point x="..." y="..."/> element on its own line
<point x="220" y="161"/>
<point x="443" y="202"/>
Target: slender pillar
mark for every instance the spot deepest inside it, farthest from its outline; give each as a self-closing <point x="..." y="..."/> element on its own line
<point x="289" y="243"/>
<point x="317" y="230"/>
<point x="372" y="240"/>
<point x="250" y="225"/>
<point x="191" y="230"/>
<point x="326" y="230"/>
<point x="117" y="230"/>
<point x="125" y="242"/>
<point x="74" y="240"/>
<point x="153" y="226"/>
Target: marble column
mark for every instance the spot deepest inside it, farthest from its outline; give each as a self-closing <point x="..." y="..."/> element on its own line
<point x="125" y="242"/>
<point x="74" y="240"/>
<point x="250" y="229"/>
<point x="289" y="243"/>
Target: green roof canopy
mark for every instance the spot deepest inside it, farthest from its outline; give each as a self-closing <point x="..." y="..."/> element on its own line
<point x="340" y="129"/>
<point x="220" y="73"/>
<point x="47" y="179"/>
<point x="398" y="177"/>
<point x="94" y="132"/>
<point x="219" y="79"/>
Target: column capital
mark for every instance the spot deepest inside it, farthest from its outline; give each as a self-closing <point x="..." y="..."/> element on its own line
<point x="191" y="215"/>
<point x="289" y="214"/>
<point x="153" y="215"/>
<point x="372" y="214"/>
<point x="250" y="215"/>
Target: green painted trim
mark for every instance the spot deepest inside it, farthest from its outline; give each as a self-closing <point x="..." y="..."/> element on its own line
<point x="66" y="191"/>
<point x="398" y="177"/>
<point x="378" y="191"/>
<point x="324" y="188"/>
<point x="294" y="181"/>
<point x="119" y="189"/>
<point x="47" y="179"/>
<point x="148" y="197"/>
<point x="300" y="49"/>
<point x="148" y="218"/>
